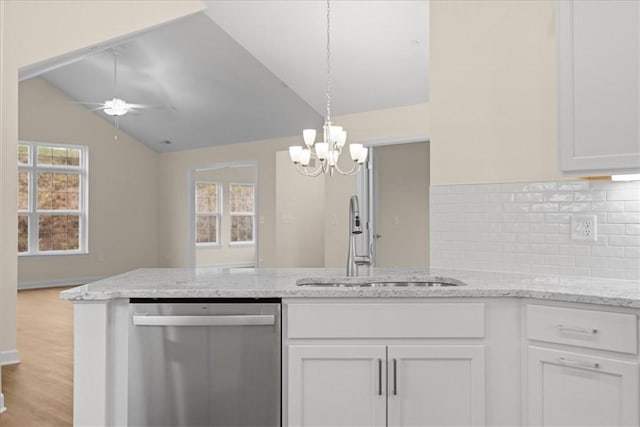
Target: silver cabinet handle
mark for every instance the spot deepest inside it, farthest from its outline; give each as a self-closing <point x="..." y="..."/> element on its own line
<point x="379" y="377"/>
<point x="578" y="363"/>
<point x="577" y="329"/>
<point x="239" y="320"/>
<point x="395" y="377"/>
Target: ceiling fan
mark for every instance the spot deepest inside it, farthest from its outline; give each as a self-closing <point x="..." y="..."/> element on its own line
<point x="115" y="107"/>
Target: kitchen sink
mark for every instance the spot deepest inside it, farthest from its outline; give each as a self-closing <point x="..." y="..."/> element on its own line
<point x="338" y="283"/>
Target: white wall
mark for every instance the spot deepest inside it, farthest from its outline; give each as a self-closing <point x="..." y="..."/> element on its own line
<point x="225" y="253"/>
<point x="493" y="91"/>
<point x="34" y="32"/>
<point x="122" y="206"/>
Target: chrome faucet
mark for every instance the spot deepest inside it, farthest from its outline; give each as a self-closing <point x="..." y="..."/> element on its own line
<point x="355" y="228"/>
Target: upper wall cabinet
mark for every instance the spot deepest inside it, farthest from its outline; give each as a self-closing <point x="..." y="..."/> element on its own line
<point x="599" y="84"/>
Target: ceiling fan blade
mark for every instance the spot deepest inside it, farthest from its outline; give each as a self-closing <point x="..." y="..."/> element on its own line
<point x="87" y="103"/>
<point x="98" y="108"/>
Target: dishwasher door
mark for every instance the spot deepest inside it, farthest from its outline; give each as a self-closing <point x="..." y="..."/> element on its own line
<point x="204" y="364"/>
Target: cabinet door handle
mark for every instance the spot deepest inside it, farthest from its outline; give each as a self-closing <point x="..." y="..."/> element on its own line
<point x="576" y="329"/>
<point x="379" y="377"/>
<point x="578" y="363"/>
<point x="395" y="377"/>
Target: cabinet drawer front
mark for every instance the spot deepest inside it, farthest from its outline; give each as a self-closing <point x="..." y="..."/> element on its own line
<point x="386" y="320"/>
<point x="585" y="328"/>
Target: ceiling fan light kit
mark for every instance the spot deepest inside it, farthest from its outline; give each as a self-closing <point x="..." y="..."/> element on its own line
<point x="116" y="107"/>
<point x="327" y="151"/>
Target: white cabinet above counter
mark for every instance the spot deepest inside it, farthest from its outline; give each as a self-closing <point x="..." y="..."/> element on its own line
<point x="599" y="86"/>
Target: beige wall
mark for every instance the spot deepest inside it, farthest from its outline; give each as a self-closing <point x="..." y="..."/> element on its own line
<point x="36" y="31"/>
<point x="225" y="253"/>
<point x="388" y="124"/>
<point x="122" y="206"/>
<point x="403" y="205"/>
<point x="493" y="91"/>
<point x="300" y="211"/>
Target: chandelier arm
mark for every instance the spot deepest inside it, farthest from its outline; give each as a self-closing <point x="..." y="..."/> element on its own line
<point x="303" y="170"/>
<point x="354" y="170"/>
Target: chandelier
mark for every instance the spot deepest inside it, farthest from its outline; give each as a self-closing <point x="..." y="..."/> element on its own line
<point x="328" y="150"/>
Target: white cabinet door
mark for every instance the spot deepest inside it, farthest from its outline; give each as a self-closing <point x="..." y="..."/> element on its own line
<point x="436" y="385"/>
<point x="572" y="389"/>
<point x="599" y="86"/>
<point x="337" y="385"/>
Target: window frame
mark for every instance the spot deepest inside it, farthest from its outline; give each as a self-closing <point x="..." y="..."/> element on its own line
<point x="217" y="214"/>
<point x="33" y="213"/>
<point x="252" y="214"/>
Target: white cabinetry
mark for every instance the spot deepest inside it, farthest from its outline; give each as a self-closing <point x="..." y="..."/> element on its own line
<point x="378" y="364"/>
<point x="337" y="385"/>
<point x="435" y="385"/>
<point x="582" y="367"/>
<point x="599" y="86"/>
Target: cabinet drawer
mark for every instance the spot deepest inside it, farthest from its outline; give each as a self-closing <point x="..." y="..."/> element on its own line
<point x="386" y="320"/>
<point x="585" y="328"/>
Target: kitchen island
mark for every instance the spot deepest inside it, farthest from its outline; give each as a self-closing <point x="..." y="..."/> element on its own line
<point x="502" y="343"/>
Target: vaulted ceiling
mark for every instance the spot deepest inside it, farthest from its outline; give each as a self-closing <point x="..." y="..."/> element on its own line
<point x="250" y="70"/>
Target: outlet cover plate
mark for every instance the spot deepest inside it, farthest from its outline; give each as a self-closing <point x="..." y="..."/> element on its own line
<point x="584" y="228"/>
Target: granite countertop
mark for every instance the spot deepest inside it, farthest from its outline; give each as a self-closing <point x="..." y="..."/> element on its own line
<point x="281" y="282"/>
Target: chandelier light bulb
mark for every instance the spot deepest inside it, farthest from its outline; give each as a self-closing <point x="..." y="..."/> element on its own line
<point x="305" y="157"/>
<point x="322" y="149"/>
<point x="309" y="136"/>
<point x="295" y="152"/>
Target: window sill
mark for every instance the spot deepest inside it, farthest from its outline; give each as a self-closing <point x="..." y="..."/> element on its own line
<point x="52" y="253"/>
<point x="208" y="245"/>
<point x="236" y="244"/>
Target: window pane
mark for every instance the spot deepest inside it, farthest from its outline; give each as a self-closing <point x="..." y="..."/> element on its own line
<point x="242" y="228"/>
<point x="241" y="198"/>
<point x="58" y="232"/>
<point x="23" y="191"/>
<point x="206" y="197"/>
<point x="23" y="233"/>
<point x="206" y="229"/>
<point x="58" y="156"/>
<point x="58" y="191"/>
<point x="23" y="154"/>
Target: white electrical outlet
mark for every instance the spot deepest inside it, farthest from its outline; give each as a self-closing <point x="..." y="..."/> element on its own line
<point x="584" y="227"/>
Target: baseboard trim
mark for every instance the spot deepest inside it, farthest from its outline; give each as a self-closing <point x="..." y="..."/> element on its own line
<point x="56" y="283"/>
<point x="2" y="407"/>
<point x="9" y="357"/>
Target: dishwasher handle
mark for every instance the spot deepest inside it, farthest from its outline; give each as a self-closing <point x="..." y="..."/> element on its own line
<point x="220" y="320"/>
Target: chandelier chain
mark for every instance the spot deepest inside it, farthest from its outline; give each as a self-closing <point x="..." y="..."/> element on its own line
<point x="328" y="61"/>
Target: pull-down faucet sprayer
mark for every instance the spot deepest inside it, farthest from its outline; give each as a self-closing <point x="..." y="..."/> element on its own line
<point x="355" y="228"/>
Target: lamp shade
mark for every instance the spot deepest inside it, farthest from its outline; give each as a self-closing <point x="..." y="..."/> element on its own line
<point x="305" y="157"/>
<point x="309" y="136"/>
<point x="322" y="148"/>
<point x="295" y="152"/>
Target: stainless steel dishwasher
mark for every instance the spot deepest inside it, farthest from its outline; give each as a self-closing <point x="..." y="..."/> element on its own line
<point x="204" y="363"/>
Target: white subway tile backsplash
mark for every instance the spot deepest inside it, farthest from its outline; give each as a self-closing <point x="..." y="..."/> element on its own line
<point x="633" y="206"/>
<point x="624" y="218"/>
<point x="624" y="240"/>
<point x="525" y="227"/>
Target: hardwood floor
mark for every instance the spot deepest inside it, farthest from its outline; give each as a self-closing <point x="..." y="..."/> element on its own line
<point x="39" y="390"/>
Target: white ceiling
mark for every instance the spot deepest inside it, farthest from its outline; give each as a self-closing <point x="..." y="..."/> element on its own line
<point x="251" y="70"/>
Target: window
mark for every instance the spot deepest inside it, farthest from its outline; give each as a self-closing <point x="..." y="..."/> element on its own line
<point x="52" y="199"/>
<point x="242" y="211"/>
<point x="207" y="213"/>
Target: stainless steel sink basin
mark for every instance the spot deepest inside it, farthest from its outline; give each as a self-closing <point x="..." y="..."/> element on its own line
<point x="431" y="283"/>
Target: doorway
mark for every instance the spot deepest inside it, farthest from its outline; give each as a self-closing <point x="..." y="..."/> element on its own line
<point x="395" y="191"/>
